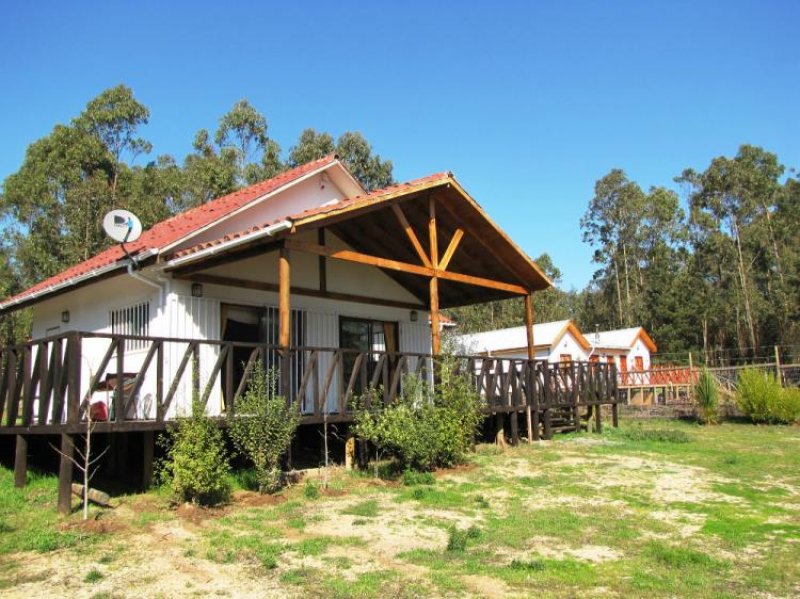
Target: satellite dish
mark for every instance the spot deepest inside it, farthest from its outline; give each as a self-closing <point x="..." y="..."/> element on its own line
<point x="122" y="226"/>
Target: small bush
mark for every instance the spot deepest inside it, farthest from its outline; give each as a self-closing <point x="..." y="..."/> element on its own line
<point x="458" y="538"/>
<point x="311" y="491"/>
<point x="197" y="467"/>
<point x="263" y="427"/>
<point x="759" y="395"/>
<point x="93" y="575"/>
<point x="412" y="477"/>
<point x="425" y="428"/>
<point x="707" y="397"/>
<point x="534" y="565"/>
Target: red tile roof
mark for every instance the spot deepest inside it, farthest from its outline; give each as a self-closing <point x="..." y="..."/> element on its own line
<point x="371" y="197"/>
<point x="176" y="228"/>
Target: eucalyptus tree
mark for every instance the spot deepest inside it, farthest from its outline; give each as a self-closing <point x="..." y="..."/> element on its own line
<point x="353" y="149"/>
<point x="730" y="202"/>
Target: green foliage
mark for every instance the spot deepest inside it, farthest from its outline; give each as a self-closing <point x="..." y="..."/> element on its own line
<point x="457" y="538"/>
<point x="263" y="427"/>
<point x="197" y="467"/>
<point x="759" y="395"/>
<point x="425" y="428"/>
<point x="707" y="396"/>
<point x="311" y="491"/>
<point x="640" y="433"/>
<point x="93" y="575"/>
<point x="412" y="477"/>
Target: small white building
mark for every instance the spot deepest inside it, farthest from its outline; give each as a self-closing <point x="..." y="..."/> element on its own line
<point x="555" y="342"/>
<point x="629" y="349"/>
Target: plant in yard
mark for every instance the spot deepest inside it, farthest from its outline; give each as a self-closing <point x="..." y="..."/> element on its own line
<point x="426" y="427"/>
<point x="759" y="395"/>
<point x="196" y="465"/>
<point x="263" y="427"/>
<point x="707" y="397"/>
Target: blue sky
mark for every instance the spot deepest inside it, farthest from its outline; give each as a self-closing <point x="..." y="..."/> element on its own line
<point x="528" y="103"/>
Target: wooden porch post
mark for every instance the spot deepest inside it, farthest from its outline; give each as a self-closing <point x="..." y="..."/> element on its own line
<point x="284" y="319"/>
<point x="65" y="475"/>
<point x="436" y="340"/>
<point x="532" y="433"/>
<point x="21" y="461"/>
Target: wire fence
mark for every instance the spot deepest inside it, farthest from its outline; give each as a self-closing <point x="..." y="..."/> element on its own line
<point x="730" y="357"/>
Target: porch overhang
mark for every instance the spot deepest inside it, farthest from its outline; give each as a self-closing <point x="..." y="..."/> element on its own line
<point x="415" y="233"/>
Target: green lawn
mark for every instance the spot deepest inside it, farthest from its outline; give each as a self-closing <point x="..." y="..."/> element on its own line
<point x="662" y="509"/>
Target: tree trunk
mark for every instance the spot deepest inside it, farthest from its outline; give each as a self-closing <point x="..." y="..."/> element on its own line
<point x="619" y="292"/>
<point x="744" y="286"/>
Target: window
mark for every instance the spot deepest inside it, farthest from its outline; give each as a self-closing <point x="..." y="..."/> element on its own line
<point x="371" y="337"/>
<point x="132" y="320"/>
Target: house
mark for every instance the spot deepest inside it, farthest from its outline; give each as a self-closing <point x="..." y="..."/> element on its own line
<point x="629" y="349"/>
<point x="333" y="288"/>
<point x="555" y="342"/>
<point x="307" y="259"/>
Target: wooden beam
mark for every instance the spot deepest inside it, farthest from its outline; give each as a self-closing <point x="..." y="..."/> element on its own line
<point x="273" y="287"/>
<point x="21" y="462"/>
<point x="481" y="282"/>
<point x="529" y="326"/>
<point x="432" y="232"/>
<point x="359" y="258"/>
<point x="412" y="236"/>
<point x="284" y="307"/>
<point x="65" y="475"/>
<point x="351" y="256"/>
<point x="451" y="249"/>
<point x="323" y="262"/>
<point x="436" y="340"/>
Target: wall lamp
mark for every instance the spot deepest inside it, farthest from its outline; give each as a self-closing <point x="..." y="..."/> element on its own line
<point x="197" y="290"/>
<point x="65" y="316"/>
<point x="413" y="316"/>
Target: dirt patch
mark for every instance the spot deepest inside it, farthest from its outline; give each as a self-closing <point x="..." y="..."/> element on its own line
<point x="94" y="526"/>
<point x="486" y="586"/>
<point x="454" y="471"/>
<point x="197" y="514"/>
<point x="253" y="499"/>
<point x="329" y="492"/>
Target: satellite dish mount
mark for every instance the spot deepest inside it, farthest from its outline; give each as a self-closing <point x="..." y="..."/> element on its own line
<point x="124" y="227"/>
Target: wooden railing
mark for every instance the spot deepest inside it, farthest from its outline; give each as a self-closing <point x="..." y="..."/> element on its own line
<point x="50" y="383"/>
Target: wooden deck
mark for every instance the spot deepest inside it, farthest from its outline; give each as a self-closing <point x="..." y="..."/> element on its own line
<point x="47" y="386"/>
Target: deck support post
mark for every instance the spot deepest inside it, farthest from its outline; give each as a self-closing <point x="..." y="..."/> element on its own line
<point x="531" y="357"/>
<point x="615" y="415"/>
<point x="65" y="475"/>
<point x="21" y="462"/>
<point x="500" y="436"/>
<point x="147" y="458"/>
<point x="514" y="416"/>
<point x="598" y="418"/>
<point x="349" y="452"/>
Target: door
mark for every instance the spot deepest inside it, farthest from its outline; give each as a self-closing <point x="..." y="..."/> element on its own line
<point x="623" y="369"/>
<point x="244" y="324"/>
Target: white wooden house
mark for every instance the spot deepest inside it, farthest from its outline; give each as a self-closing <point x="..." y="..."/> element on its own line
<point x="555" y="342"/>
<point x="629" y="349"/>
<point x="305" y="260"/>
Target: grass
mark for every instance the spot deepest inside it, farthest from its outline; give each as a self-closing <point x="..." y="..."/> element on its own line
<point x="657" y="509"/>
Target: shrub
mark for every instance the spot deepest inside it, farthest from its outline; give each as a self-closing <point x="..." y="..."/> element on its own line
<point x="311" y="491"/>
<point x="707" y="397"/>
<point x="760" y="396"/>
<point x="457" y="538"/>
<point x="263" y="427"/>
<point x="197" y="463"/>
<point x="412" y="477"/>
<point x="425" y="428"/>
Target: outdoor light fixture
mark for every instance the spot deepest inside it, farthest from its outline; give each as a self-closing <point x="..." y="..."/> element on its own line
<point x="197" y="290"/>
<point x="65" y="316"/>
<point x="413" y="316"/>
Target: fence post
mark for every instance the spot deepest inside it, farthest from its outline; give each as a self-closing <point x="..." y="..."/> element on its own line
<point x="690" y="390"/>
<point x="778" y="372"/>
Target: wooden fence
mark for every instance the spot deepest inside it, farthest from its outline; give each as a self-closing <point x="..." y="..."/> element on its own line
<point x="47" y="385"/>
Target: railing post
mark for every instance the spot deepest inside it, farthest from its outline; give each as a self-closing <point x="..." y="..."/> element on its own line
<point x="119" y="388"/>
<point x="73" y="378"/>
